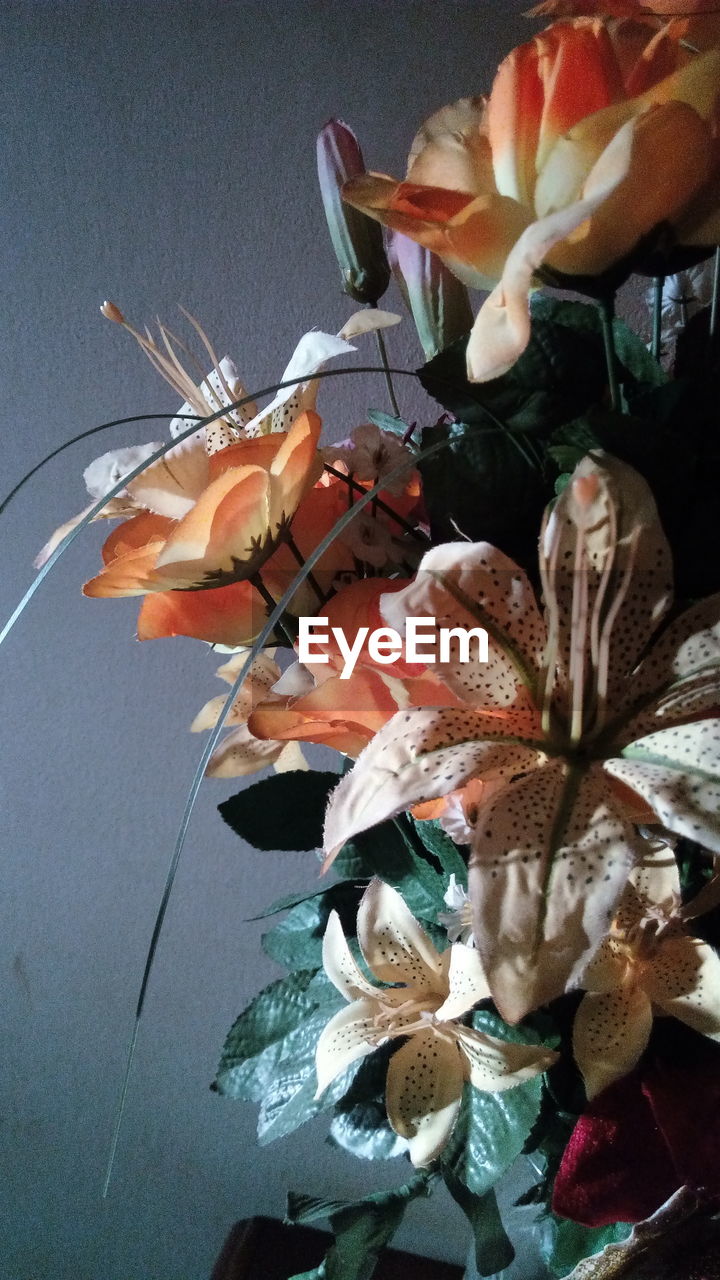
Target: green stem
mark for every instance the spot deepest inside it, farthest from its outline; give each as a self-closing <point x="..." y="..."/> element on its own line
<point x="658" y="286"/>
<point x="388" y="379"/>
<point x="606" y="307"/>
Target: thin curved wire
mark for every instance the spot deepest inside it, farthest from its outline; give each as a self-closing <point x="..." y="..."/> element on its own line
<point x="344" y="520"/>
<point x="160" y="453"/>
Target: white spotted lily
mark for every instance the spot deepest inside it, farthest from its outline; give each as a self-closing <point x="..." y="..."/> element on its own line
<point x="582" y="729"/>
<point x="647" y="963"/>
<point x="431" y="991"/>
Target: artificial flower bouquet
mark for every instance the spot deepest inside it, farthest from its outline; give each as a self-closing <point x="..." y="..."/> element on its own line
<point x="505" y="620"/>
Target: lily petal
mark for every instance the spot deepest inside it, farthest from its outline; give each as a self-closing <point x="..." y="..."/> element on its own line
<point x="496" y="1065"/>
<point x="394" y="945"/>
<point x="610" y="1033"/>
<point x="683" y="978"/>
<point x="312" y="352"/>
<point x="467" y="585"/>
<point x="550" y="858"/>
<point x="345" y="1038"/>
<point x="173" y="484"/>
<point x="423" y="1094"/>
<point x="340" y="966"/>
<point x="467" y="983"/>
<point x="421" y="754"/>
<point x="241" y="754"/>
<point x="677" y="770"/>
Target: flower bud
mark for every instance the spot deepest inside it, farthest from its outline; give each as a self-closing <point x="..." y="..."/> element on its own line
<point x="356" y="239"/>
<point x="439" y="303"/>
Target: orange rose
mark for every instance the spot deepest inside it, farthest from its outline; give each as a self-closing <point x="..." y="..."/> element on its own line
<point x="596" y="136"/>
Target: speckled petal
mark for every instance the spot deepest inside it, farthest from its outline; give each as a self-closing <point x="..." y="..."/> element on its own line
<point x="394" y="945"/>
<point x="680" y="677"/>
<point x="340" y="966"/>
<point x="551" y="856"/>
<point x="344" y="1040"/>
<point x="678" y="772"/>
<point x="495" y="1065"/>
<point x="610" y="1033"/>
<point x="465" y="584"/>
<point x="311" y="353"/>
<point x="240" y="754"/>
<point x="424" y="1089"/>
<point x="418" y="755"/>
<point x="607" y="570"/>
<point x="466" y="981"/>
<point x="683" y="979"/>
<point x="172" y="485"/>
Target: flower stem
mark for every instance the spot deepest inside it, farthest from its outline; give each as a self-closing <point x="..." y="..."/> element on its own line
<point x="658" y="286"/>
<point x="382" y="349"/>
<point x="606" y="307"/>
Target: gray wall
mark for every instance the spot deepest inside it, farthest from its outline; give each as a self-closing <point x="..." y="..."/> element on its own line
<point x="159" y="153"/>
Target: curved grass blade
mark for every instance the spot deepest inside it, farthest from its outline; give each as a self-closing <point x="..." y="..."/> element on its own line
<point x="160" y="453"/>
<point x="262" y="639"/>
<point x="91" y="431"/>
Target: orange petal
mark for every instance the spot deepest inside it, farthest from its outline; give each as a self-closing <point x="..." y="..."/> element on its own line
<point x="126" y="575"/>
<point x="231" y="615"/>
<point x="296" y="467"/>
<point x="136" y="533"/>
<point x="222" y="532"/>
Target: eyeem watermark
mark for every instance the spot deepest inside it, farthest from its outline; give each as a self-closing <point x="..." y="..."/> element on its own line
<point x="423" y="642"/>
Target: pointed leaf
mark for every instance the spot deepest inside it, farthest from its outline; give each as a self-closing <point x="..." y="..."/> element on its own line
<point x="285" y="811"/>
<point x="493" y="1250"/>
<point x="492" y="1128"/>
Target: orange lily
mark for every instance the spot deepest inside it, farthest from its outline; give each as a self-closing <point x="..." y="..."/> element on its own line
<point x="591" y="139"/>
<point x="232" y="527"/>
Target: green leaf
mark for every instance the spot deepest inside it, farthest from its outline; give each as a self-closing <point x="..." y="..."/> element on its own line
<point x="440" y="845"/>
<point x="256" y="1041"/>
<point x="364" y="1130"/>
<point x="566" y="1243"/>
<point x="296" y="941"/>
<point x="285" y="811"/>
<point x="492" y="1128"/>
<point x="493" y="1250"/>
<point x="391" y="852"/>
<point x="288" y="1096"/>
<point x="361" y="1229"/>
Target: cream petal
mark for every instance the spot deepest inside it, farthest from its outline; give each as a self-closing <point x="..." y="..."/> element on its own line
<point x="467" y="983"/>
<point x="173" y="484"/>
<point x="680" y="676"/>
<point x="464" y="584"/>
<point x="610" y="1033"/>
<point x="344" y="1040"/>
<point x="240" y="754"/>
<point x="340" y="966"/>
<point x="683" y="979"/>
<point x="423" y="1094"/>
<point x="495" y="1065"/>
<point x="656" y="878"/>
<point x="421" y="754"/>
<point x="452" y="150"/>
<point x="677" y="771"/>
<point x="291" y="758"/>
<point x="550" y="858"/>
<point x="606" y="568"/>
<point x="368" y="321"/>
<point x="312" y="351"/>
<point x="105" y="472"/>
<point x="394" y="945"/>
